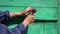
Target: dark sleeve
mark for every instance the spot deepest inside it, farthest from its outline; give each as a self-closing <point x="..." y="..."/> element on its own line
<point x="17" y="30"/>
<point x="4" y="16"/>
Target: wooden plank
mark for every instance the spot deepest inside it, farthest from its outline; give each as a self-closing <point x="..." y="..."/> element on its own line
<point x="36" y="3"/>
<point x="41" y="13"/>
<point x="35" y="28"/>
<point x="50" y="28"/>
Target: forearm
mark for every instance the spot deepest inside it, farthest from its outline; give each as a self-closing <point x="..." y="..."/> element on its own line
<point x="20" y="13"/>
<point x="12" y="14"/>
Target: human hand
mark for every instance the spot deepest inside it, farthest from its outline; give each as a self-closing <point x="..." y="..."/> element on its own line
<point x="28" y="9"/>
<point x="28" y="19"/>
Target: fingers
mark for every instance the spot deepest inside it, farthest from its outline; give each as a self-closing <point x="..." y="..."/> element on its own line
<point x="29" y="8"/>
<point x="31" y="15"/>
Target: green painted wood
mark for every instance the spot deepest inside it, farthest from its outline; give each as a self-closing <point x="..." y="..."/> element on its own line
<point x="35" y="28"/>
<point x="50" y="28"/>
<point x="46" y="13"/>
<point x="12" y="9"/>
<point x="42" y="28"/>
<point x="37" y="3"/>
<point x="41" y="13"/>
<point x="46" y="10"/>
<point x="58" y="23"/>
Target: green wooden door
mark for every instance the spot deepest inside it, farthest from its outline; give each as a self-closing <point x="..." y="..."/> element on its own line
<point x="45" y="17"/>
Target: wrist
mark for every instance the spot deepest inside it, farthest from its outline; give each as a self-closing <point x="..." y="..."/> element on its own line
<point x="26" y="23"/>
